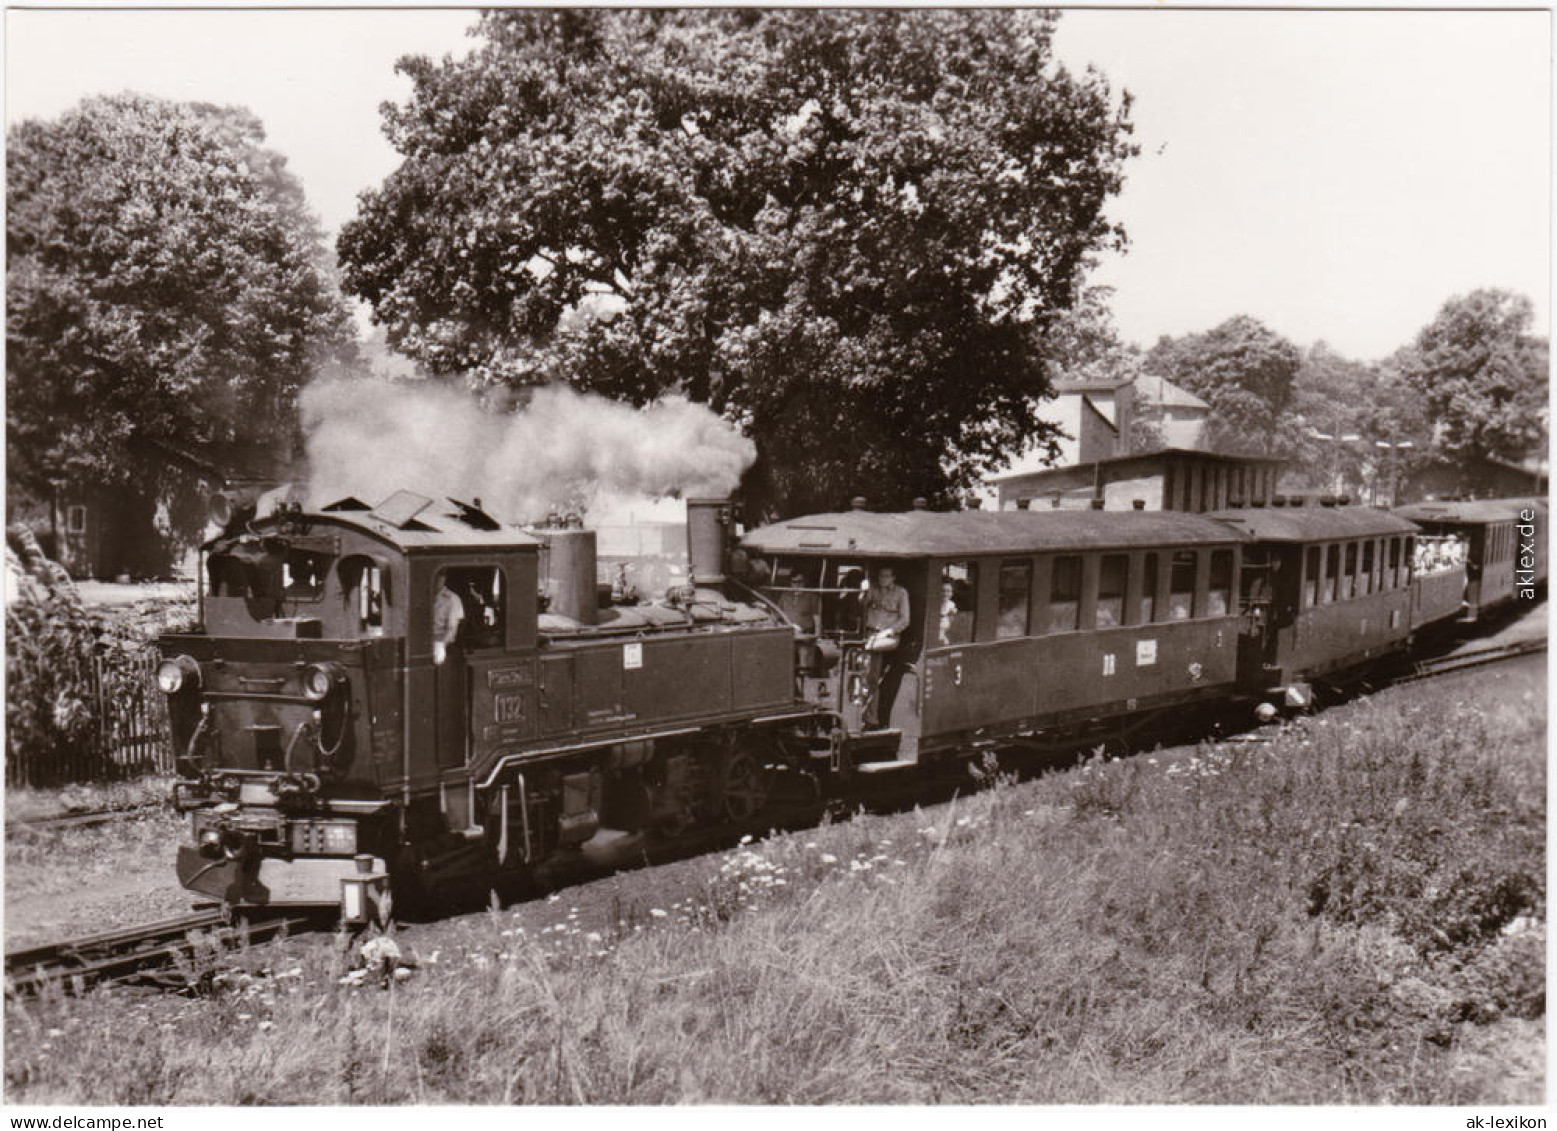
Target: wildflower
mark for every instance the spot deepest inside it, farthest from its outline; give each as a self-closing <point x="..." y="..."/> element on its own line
<point x="380" y="951"/>
<point x="403" y="974"/>
<point x="746" y="839"/>
<point x="657" y="913"/>
<point x="829" y="858"/>
<point x="265" y="1025"/>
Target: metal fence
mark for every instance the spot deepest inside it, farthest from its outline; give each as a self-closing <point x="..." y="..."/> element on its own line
<point x="131" y="733"/>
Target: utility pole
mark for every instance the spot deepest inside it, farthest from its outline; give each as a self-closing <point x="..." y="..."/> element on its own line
<point x="1348" y="438"/>
<point x="1394" y="450"/>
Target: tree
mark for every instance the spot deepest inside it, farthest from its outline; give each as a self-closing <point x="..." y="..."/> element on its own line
<point x="165" y="284"/>
<point x="837" y="228"/>
<point x="1245" y="372"/>
<point x="1482" y="377"/>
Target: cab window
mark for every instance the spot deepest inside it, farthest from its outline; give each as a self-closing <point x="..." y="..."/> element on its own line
<point x="365" y="587"/>
<point x="303" y="574"/>
<point x="1148" y="589"/>
<point x="482" y="595"/>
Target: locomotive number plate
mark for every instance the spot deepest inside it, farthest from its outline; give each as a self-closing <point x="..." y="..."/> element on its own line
<point x="632" y="657"/>
<point x="508" y="708"/>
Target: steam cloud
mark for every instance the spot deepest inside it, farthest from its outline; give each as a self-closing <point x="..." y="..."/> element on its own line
<point x="562" y="451"/>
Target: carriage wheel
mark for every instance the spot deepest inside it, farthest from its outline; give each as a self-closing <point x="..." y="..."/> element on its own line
<point x="743" y="787"/>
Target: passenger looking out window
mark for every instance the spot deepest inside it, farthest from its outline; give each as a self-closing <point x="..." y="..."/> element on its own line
<point x="957" y="604"/>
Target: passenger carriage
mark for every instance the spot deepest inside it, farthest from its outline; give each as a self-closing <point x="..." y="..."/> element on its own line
<point x="1489" y="530"/>
<point x="1328" y="589"/>
<point x="1022" y="623"/>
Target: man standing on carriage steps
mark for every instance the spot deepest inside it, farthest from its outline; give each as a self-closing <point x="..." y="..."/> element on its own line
<point x="886" y="618"/>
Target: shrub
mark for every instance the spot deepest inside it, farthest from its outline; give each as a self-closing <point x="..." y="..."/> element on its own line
<point x="63" y="666"/>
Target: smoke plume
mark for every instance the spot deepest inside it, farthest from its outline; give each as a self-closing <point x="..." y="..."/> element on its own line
<point x="560" y="451"/>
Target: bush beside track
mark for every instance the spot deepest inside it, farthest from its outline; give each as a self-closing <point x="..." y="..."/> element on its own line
<point x="1353" y="912"/>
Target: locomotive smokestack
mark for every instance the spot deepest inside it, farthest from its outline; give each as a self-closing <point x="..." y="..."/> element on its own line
<point x="710" y="523"/>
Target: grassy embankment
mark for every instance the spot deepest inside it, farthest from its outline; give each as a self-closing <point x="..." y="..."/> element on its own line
<point x="1353" y="913"/>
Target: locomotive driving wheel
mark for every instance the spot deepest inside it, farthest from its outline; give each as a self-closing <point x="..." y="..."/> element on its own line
<point x="743" y="787"/>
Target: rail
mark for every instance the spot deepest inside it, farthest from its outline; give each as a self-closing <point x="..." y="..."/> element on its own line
<point x="142" y="952"/>
<point x="1442" y="665"/>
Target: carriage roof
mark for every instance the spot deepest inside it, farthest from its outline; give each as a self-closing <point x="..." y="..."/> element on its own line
<point x="1312" y="524"/>
<point x="942" y="534"/>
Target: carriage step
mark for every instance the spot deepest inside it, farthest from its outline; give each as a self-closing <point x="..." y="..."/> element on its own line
<point x="882" y="767"/>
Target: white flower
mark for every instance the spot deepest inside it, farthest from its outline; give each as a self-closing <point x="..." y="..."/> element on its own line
<point x="829" y="858"/>
<point x="657" y="913"/>
<point x="380" y="951"/>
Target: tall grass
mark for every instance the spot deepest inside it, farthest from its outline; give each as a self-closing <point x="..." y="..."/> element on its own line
<point x="1352" y="913"/>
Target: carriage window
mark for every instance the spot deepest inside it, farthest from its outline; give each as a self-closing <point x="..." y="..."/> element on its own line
<point x="1112" y="571"/>
<point x="1349" y="581"/>
<point x="1332" y="571"/>
<point x="1221" y="583"/>
<point x="843" y="609"/>
<point x="1394" y="563"/>
<point x="1016" y="583"/>
<point x="483" y="596"/>
<point x="1148" y="589"/>
<point x="1365" y="582"/>
<point x="1311" y="578"/>
<point x="1065" y="594"/>
<point x="959" y="602"/>
<point x="1181" y="585"/>
<point x="1408" y="559"/>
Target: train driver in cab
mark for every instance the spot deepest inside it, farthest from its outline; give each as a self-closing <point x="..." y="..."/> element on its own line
<point x="448" y="615"/>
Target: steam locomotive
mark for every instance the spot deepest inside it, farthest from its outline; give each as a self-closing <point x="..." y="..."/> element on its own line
<point x="402" y="697"/>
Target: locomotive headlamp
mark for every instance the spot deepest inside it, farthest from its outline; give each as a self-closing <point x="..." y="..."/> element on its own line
<point x="320" y="679"/>
<point x="178" y="673"/>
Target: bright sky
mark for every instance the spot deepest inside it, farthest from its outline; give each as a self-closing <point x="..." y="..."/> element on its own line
<point x="1337" y="175"/>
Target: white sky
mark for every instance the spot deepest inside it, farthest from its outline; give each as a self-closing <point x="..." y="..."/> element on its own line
<point x="1337" y="175"/>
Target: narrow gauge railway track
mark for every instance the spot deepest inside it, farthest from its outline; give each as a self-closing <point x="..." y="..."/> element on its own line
<point x="1443" y="665"/>
<point x="139" y="953"/>
<point x="84" y="820"/>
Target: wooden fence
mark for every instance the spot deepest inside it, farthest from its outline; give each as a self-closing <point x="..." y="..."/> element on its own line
<point x="131" y="733"/>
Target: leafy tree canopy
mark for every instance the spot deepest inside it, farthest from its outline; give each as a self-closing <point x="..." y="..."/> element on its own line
<point x="1483" y="377"/>
<point x="1245" y="372"/>
<point x="837" y="228"/>
<point x="165" y="283"/>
